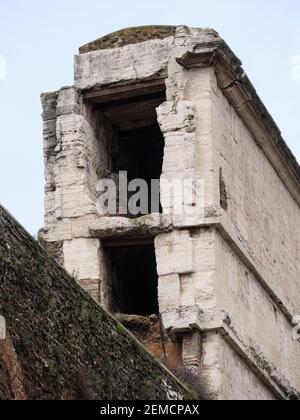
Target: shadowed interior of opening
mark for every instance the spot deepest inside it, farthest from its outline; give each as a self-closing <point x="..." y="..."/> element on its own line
<point x="138" y="144"/>
<point x="134" y="280"/>
<point x="141" y="155"/>
<point x="144" y="152"/>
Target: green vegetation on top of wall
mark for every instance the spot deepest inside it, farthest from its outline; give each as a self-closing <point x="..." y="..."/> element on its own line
<point x="129" y="36"/>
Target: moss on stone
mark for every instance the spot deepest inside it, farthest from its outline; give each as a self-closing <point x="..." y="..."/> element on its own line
<point x="129" y="36"/>
<point x="66" y="345"/>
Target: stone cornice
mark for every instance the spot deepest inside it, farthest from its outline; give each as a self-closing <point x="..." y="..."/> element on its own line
<point x="256" y="359"/>
<point x="228" y="231"/>
<point x="242" y="95"/>
<point x="185" y="319"/>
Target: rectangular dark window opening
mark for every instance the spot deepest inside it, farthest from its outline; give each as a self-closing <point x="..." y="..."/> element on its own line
<point x="137" y="145"/>
<point x="134" y="280"/>
<point x="141" y="155"/>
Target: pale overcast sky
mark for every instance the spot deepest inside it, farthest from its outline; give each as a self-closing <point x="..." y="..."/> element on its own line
<point x="39" y="38"/>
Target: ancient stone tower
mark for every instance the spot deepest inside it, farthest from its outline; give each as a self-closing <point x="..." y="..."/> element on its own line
<point x="175" y="103"/>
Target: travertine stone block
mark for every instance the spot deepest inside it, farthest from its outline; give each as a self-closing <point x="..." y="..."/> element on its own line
<point x="175" y="116"/>
<point x="81" y="257"/>
<point x="76" y="150"/>
<point x="169" y="290"/>
<point x="49" y="104"/>
<point x="69" y="102"/>
<point x="192" y="352"/>
<point x="182" y="319"/>
<point x="57" y="230"/>
<point x="129" y="63"/>
<point x="180" y="149"/>
<point x="120" y="227"/>
<point x="174" y="253"/>
<point x="229" y="275"/>
<point x="50" y="138"/>
<point x="80" y="226"/>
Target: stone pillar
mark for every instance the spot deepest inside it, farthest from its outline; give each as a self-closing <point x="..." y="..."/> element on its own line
<point x="186" y="257"/>
<point x="178" y="179"/>
<point x="71" y="155"/>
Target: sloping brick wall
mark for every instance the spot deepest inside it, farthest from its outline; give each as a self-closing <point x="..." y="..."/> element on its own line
<point x="60" y="343"/>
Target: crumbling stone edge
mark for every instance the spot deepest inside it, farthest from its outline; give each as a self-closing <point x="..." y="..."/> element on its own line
<point x="257" y="361"/>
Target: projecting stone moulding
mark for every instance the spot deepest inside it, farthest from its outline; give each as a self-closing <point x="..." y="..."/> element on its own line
<point x="241" y="93"/>
<point x="120" y="227"/>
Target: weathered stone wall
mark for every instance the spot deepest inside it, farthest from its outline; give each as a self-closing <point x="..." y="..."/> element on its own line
<point x="230" y="274"/>
<point x="78" y="152"/>
<point x="253" y="278"/>
<point x="101" y="68"/>
<point x="261" y="215"/>
<point x="258" y="322"/>
<point x="259" y="204"/>
<point x="60" y="343"/>
<point x="238" y="381"/>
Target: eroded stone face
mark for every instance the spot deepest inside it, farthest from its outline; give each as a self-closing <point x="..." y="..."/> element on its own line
<point x="120" y="227"/>
<point x="228" y="279"/>
<point x="130" y="63"/>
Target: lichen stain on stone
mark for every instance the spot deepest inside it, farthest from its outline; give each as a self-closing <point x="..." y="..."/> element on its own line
<point x="129" y="36"/>
<point x="224" y="197"/>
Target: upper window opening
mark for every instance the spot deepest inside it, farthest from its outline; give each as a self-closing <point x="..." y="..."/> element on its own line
<point x="136" y="144"/>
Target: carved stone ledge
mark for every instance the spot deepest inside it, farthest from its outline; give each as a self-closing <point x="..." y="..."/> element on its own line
<point x="122" y="227"/>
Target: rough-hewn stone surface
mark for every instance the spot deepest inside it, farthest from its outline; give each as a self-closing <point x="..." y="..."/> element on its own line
<point x="238" y="277"/>
<point x="147" y="58"/>
<point x="231" y="274"/>
<point x="105" y="67"/>
<point x="120" y="227"/>
<point x="61" y="344"/>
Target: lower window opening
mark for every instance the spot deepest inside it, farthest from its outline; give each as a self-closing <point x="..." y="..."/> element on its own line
<point x="134" y="280"/>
